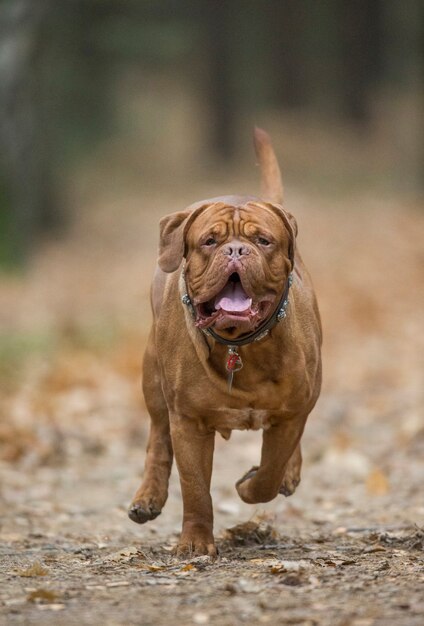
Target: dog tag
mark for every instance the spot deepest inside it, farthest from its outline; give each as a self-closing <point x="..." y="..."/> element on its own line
<point x="234" y="364"/>
<point x="230" y="381"/>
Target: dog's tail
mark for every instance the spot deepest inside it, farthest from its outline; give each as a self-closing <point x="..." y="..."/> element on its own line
<point x="271" y="182"/>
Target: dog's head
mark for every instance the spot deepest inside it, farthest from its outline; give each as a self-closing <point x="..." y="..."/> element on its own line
<point x="238" y="252"/>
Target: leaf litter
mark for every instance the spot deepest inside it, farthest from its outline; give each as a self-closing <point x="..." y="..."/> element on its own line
<point x="345" y="550"/>
<point x="36" y="569"/>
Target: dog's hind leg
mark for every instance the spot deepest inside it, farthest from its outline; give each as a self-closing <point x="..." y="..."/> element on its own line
<point x="152" y="494"/>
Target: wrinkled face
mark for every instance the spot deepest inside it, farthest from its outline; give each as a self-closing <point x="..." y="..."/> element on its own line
<point x="237" y="264"/>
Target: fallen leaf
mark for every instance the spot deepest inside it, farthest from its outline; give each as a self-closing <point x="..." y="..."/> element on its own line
<point x="42" y="595"/>
<point x="377" y="483"/>
<point x="125" y="555"/>
<point x="36" y="569"/>
<point x="292" y="580"/>
<point x="342" y="440"/>
<point x="289" y="566"/>
<point x="374" y="548"/>
<point x="256" y="531"/>
<point x="188" y="567"/>
<point x="411" y="539"/>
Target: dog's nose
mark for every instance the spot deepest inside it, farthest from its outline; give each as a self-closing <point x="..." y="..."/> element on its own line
<point x="236" y="249"/>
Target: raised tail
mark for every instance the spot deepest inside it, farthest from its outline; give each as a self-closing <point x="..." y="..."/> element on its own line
<point x="271" y="182"/>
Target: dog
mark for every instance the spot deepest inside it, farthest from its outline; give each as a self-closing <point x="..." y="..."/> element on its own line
<point x="235" y="344"/>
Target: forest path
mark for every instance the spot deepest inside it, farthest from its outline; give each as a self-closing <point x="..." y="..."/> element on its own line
<point x="345" y="550"/>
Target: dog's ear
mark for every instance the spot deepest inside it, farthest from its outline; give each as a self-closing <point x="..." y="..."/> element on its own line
<point x="171" y="240"/>
<point x="173" y="229"/>
<point x="291" y="227"/>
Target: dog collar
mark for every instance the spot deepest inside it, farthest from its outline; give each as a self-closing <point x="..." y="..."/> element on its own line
<point x="280" y="312"/>
<point x="234" y="362"/>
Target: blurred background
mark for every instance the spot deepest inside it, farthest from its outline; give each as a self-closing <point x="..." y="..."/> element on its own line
<point x="116" y="112"/>
<point x="168" y="89"/>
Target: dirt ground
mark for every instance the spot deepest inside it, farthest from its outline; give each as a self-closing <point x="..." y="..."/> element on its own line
<point x="345" y="549"/>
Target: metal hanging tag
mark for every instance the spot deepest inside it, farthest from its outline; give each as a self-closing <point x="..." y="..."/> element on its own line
<point x="233" y="364"/>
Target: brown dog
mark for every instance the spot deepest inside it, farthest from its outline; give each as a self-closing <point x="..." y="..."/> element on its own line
<point x="231" y="292"/>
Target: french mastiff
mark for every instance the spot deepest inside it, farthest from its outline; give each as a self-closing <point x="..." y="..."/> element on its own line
<point x="235" y="344"/>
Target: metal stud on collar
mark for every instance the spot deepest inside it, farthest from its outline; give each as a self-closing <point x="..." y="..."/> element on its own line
<point x="282" y="313"/>
<point x="186" y="300"/>
<point x="262" y="335"/>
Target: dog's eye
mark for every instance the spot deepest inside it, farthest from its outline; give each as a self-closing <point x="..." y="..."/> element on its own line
<point x="263" y="242"/>
<point x="209" y="241"/>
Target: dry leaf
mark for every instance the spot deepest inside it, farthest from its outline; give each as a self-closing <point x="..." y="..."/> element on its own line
<point x="292" y="580"/>
<point x="188" y="567"/>
<point x="374" y="548"/>
<point x="377" y="483"/>
<point x="283" y="567"/>
<point x="125" y="555"/>
<point x="256" y="531"/>
<point x="36" y="569"/>
<point x="342" y="440"/>
<point x="42" y="595"/>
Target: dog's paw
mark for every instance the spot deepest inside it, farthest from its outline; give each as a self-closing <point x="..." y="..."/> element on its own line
<point x="289" y="484"/>
<point x="243" y="484"/>
<point x="196" y="540"/>
<point x="142" y="511"/>
<point x="189" y="549"/>
<point x="291" y="477"/>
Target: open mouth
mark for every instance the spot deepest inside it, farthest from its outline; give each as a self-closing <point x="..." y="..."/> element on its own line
<point x="233" y="298"/>
<point x="232" y="308"/>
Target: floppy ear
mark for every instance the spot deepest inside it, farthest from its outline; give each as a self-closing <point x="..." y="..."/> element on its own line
<point x="291" y="227"/>
<point x="173" y="229"/>
<point x="171" y="241"/>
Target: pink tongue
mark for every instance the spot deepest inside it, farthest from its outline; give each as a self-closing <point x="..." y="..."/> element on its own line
<point x="233" y="298"/>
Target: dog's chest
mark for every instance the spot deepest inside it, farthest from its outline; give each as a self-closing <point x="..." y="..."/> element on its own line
<point x="225" y="420"/>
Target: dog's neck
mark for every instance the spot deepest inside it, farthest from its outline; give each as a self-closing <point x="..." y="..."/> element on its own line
<point x="233" y="359"/>
<point x="280" y="313"/>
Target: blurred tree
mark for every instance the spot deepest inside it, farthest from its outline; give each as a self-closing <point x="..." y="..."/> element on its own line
<point x="403" y="87"/>
<point x="24" y="162"/>
<point x="61" y="60"/>
<point x="44" y="64"/>
<point x="219" y="79"/>
<point x="286" y="24"/>
<point x="360" y="36"/>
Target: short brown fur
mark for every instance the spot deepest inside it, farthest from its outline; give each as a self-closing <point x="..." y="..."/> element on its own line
<point x="184" y="373"/>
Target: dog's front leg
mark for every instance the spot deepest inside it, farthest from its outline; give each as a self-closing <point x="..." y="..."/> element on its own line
<point x="263" y="483"/>
<point x="193" y="452"/>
